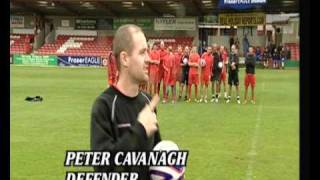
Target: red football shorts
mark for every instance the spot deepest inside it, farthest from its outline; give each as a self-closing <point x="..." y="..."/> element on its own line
<point x="153" y="76"/>
<point x="166" y="78"/>
<point x="205" y="78"/>
<point x="172" y="79"/>
<point x="193" y="79"/>
<point x="250" y="79"/>
<point x="160" y="73"/>
<point x="223" y="76"/>
<point x="179" y="75"/>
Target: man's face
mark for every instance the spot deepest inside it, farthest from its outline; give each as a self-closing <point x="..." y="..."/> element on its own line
<point x="209" y="49"/>
<point x="162" y="45"/>
<point x="179" y="49"/>
<point x="155" y="47"/>
<point x="194" y="49"/>
<point x="251" y="50"/>
<point x="186" y="50"/>
<point x="138" y="67"/>
<point x="233" y="49"/>
<point x="214" y="47"/>
<point x="221" y="48"/>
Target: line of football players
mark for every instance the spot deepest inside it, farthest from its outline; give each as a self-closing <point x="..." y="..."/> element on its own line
<point x="185" y="68"/>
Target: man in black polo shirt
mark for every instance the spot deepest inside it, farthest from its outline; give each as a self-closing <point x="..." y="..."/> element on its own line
<point x="123" y="118"/>
<point x="185" y="73"/>
<point x="250" y="78"/>
<point x="216" y="73"/>
<point x="233" y="77"/>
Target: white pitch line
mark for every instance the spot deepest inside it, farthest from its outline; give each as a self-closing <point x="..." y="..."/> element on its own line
<point x="253" y="152"/>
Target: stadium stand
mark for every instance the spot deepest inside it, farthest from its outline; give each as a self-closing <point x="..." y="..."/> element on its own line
<point x="20" y="43"/>
<point x="70" y="45"/>
<point x="172" y="41"/>
<point x="294" y="49"/>
<point x="75" y="45"/>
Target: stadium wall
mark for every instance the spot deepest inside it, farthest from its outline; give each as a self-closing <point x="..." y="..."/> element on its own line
<point x="253" y="38"/>
<point x="149" y="33"/>
<point x="28" y="24"/>
<point x="56" y="20"/>
<point x="291" y="35"/>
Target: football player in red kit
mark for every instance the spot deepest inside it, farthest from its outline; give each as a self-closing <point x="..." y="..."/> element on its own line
<point x="206" y="69"/>
<point x="223" y="76"/>
<point x="250" y="78"/>
<point x="194" y="61"/>
<point x="178" y="58"/>
<point x="167" y="64"/>
<point x="173" y="74"/>
<point x="154" y="69"/>
<point x="184" y="73"/>
<point x="112" y="69"/>
<point x="163" y="53"/>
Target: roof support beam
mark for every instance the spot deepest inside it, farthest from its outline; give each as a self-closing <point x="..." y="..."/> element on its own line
<point x="149" y="6"/>
<point x="108" y="9"/>
<point x="28" y="8"/>
<point x="67" y="7"/>
<point x="197" y="7"/>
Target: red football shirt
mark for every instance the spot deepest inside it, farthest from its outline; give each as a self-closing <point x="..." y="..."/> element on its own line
<point x="224" y="59"/>
<point x="206" y="70"/>
<point x="224" y="56"/>
<point x="163" y="53"/>
<point x="172" y="59"/>
<point x="194" y="58"/>
<point x="168" y="61"/>
<point x="178" y="57"/>
<point x="154" y="56"/>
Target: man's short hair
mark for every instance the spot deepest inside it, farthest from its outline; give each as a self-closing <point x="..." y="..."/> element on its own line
<point x="123" y="40"/>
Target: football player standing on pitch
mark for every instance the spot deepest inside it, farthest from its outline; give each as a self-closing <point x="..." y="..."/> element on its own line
<point x="233" y="73"/>
<point x="163" y="53"/>
<point x="216" y="73"/>
<point x="194" y="63"/>
<point x="250" y="78"/>
<point x="206" y="69"/>
<point x="154" y="70"/>
<point x="223" y="76"/>
<point x="185" y="73"/>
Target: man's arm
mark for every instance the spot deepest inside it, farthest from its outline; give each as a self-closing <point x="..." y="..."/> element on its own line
<point x="181" y="63"/>
<point x="236" y="59"/>
<point x="154" y="61"/>
<point x="193" y="64"/>
<point x="103" y="137"/>
<point x="254" y="61"/>
<point x="251" y="61"/>
<point x="211" y="67"/>
<point x="246" y="60"/>
<point x="166" y="68"/>
<point x="157" y="136"/>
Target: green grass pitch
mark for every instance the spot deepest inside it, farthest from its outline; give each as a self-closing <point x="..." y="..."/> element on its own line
<point x="225" y="141"/>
